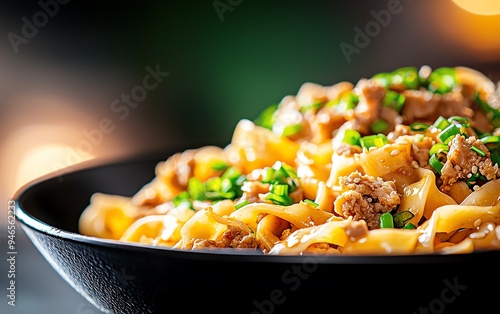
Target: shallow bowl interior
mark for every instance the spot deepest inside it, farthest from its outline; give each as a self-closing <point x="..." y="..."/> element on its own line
<point x="129" y="278"/>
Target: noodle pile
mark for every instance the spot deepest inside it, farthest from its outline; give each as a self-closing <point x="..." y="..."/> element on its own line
<point x="404" y="162"/>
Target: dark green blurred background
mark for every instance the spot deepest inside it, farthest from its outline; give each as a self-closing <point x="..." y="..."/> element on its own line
<point x="220" y="70"/>
<point x="64" y="80"/>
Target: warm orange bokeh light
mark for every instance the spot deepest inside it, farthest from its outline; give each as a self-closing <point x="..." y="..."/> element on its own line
<point x="481" y="7"/>
<point x="474" y="34"/>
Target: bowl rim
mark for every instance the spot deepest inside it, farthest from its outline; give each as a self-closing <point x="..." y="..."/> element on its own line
<point x="29" y="221"/>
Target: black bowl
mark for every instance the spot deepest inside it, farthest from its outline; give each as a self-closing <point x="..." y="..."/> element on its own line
<point x="134" y="278"/>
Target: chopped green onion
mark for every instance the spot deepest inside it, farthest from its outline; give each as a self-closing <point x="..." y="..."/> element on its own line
<point x="408" y="76"/>
<point x="448" y="133"/>
<point x="351" y="137"/>
<point x="495" y="157"/>
<point x="379" y="126"/>
<point x="436" y="163"/>
<point x="474" y="178"/>
<point x="241" y="204"/>
<point x="377" y="140"/>
<point x="383" y="79"/>
<point x="314" y="107"/>
<point x="442" y="80"/>
<point x="409" y="226"/>
<point x="345" y="102"/>
<point x="490" y="139"/>
<point x="441" y="123"/>
<point x="182" y="199"/>
<point x="267" y="175"/>
<point x="348" y="102"/>
<point x="284" y="200"/>
<point x="438" y="148"/>
<point x="311" y="203"/>
<point x="291" y="130"/>
<point x="419" y="127"/>
<point x="402" y="217"/>
<point x="214" y="184"/>
<point x="196" y="189"/>
<point x="279" y="189"/>
<point x="493" y="114"/>
<point x="227" y="186"/>
<point x="386" y="220"/>
<point x="219" y="165"/>
<point x="266" y="119"/>
<point x="461" y="120"/>
<point x="393" y="100"/>
<point x="478" y="151"/>
<point x="287" y="170"/>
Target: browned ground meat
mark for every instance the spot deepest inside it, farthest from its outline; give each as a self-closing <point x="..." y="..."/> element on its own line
<point x="425" y="106"/>
<point x="420" y="150"/>
<point x="324" y="123"/>
<point x="346" y="149"/>
<point x="399" y="130"/>
<point x="462" y="162"/>
<point x="420" y="105"/>
<point x="370" y="104"/>
<point x="366" y="198"/>
<point x="252" y="190"/>
<point x="233" y="237"/>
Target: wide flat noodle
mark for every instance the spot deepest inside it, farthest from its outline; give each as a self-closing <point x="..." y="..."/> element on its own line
<point x="300" y="214"/>
<point x="423" y="197"/>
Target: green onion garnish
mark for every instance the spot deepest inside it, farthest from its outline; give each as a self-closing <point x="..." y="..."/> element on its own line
<point x="345" y="102"/>
<point x="441" y="123"/>
<point x="241" y="204"/>
<point x="311" y="203"/>
<point x="196" y="189"/>
<point x="478" y="151"/>
<point x="442" y="80"/>
<point x="279" y="189"/>
<point x="408" y="76"/>
<point x="490" y="139"/>
<point x="266" y="119"/>
<point x="402" y="217"/>
<point x="438" y="148"/>
<point x="436" y="163"/>
<point x="393" y="100"/>
<point x="219" y="165"/>
<point x="448" y="133"/>
<point x="409" y="226"/>
<point x="379" y="126"/>
<point x="351" y="137"/>
<point x="461" y="120"/>
<point x="493" y="114"/>
<point x="419" y="127"/>
<point x="314" y="107"/>
<point x="182" y="199"/>
<point x="377" y="140"/>
<point x="291" y="130"/>
<point x="386" y="220"/>
<point x="284" y="200"/>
